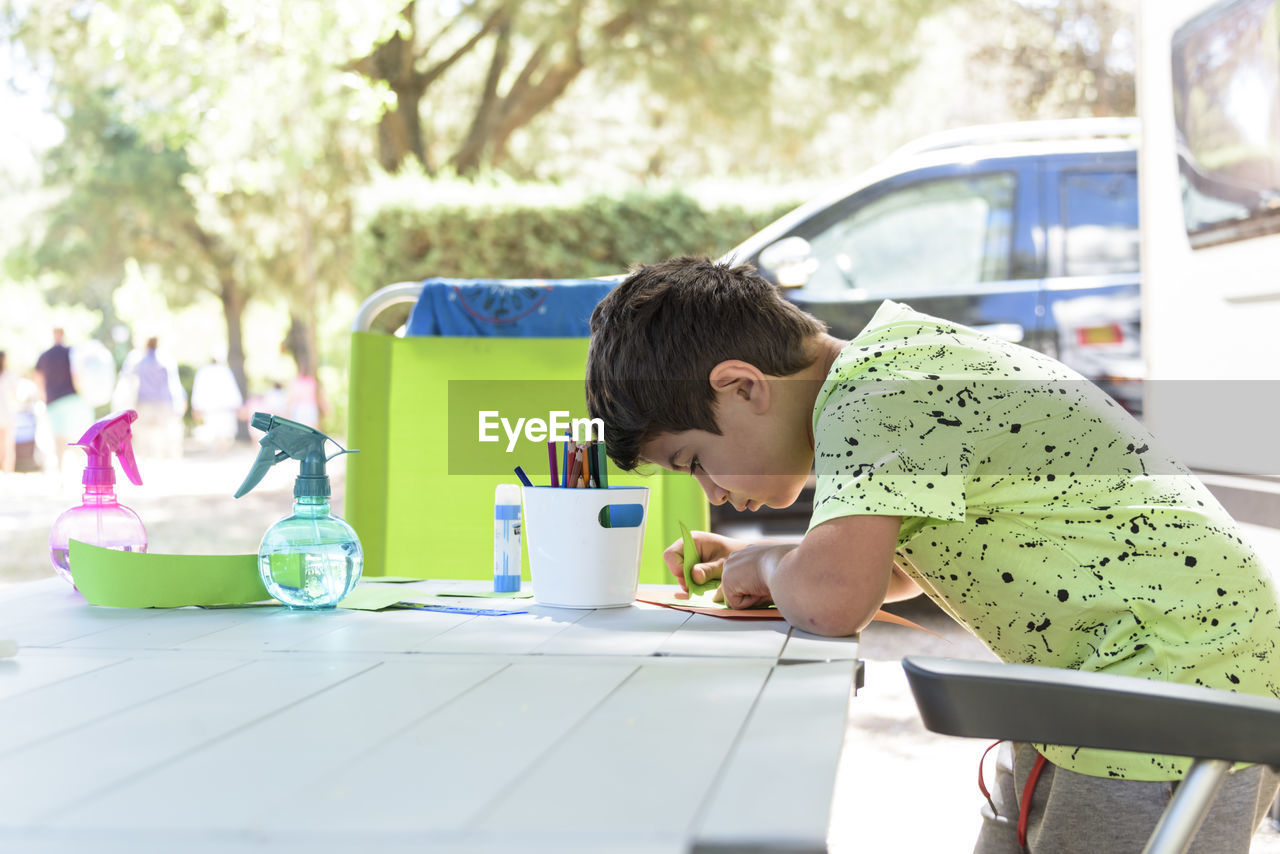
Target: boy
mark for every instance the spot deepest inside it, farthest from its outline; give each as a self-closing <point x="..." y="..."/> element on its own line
<point x="1011" y="491"/>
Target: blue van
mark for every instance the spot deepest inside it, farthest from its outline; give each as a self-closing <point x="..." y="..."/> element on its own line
<point x="1028" y="231"/>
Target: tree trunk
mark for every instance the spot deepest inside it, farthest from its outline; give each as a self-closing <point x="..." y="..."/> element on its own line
<point x="471" y="153"/>
<point x="233" y="313"/>
<point x="400" y="131"/>
<point x="400" y="128"/>
<point x="300" y="342"/>
<point x="302" y="320"/>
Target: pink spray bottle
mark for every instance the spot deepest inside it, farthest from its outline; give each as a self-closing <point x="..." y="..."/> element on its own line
<point x="100" y="519"/>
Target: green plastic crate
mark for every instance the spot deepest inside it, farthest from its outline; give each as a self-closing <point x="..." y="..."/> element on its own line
<point x="417" y="519"/>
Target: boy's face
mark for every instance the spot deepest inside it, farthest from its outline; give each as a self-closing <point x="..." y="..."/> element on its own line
<point x="753" y="463"/>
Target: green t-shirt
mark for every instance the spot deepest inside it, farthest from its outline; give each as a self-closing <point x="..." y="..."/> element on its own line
<point x="1042" y="516"/>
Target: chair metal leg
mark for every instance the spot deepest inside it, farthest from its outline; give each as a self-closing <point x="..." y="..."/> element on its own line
<point x="1188" y="807"/>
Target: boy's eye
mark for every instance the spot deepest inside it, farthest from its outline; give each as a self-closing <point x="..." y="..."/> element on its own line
<point x="694" y="465"/>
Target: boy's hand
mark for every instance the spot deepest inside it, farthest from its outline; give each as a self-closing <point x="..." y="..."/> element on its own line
<point x="712" y="551"/>
<point x="744" y="577"/>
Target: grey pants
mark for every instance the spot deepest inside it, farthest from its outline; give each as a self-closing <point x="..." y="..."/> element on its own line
<point x="1073" y="813"/>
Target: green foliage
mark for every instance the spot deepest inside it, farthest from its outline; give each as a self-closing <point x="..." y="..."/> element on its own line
<point x="1063" y="59"/>
<point x="485" y="76"/>
<point x="596" y="236"/>
<point x="217" y="141"/>
<point x="121" y="197"/>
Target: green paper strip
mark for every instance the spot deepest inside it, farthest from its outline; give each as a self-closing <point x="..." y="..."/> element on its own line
<point x="379" y="597"/>
<point x="373" y="597"/>
<point x="119" y="579"/>
<point x="488" y="594"/>
<point x="288" y="568"/>
<point x="690" y="560"/>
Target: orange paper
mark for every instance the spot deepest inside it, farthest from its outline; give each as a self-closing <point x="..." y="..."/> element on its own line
<point x="768" y="613"/>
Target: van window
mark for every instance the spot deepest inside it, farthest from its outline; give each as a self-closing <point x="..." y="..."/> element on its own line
<point x="1100" y="221"/>
<point x="941" y="233"/>
<point x="1226" y="107"/>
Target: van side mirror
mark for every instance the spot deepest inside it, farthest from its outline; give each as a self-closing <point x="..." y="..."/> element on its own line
<point x="789" y="261"/>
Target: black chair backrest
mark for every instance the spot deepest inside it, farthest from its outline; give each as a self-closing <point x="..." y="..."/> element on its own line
<point x="1045" y="705"/>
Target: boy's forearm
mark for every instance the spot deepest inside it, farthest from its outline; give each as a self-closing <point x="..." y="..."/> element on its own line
<point x="800" y="592"/>
<point x="829" y="586"/>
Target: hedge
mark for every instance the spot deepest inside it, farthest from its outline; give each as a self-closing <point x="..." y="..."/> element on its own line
<point x="595" y="236"/>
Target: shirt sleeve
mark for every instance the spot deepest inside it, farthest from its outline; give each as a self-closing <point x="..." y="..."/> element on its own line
<point x="887" y="449"/>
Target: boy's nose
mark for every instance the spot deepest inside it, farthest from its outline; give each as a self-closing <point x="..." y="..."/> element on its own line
<point x="714" y="493"/>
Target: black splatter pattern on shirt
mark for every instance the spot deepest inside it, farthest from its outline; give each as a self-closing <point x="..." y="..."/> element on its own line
<point x="1042" y="516"/>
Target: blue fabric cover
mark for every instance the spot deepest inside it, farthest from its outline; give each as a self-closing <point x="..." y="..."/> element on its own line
<point x="507" y="308"/>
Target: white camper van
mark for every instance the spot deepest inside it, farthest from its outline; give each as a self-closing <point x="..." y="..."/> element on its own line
<point x="1209" y="168"/>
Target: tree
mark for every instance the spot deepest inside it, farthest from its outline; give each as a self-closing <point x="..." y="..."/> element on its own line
<point x="241" y="142"/>
<point x="518" y="58"/>
<point x="1065" y="58"/>
<point x="125" y="198"/>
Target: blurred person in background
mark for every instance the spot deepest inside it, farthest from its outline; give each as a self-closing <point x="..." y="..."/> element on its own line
<point x="215" y="402"/>
<point x="273" y="401"/>
<point x="69" y="414"/>
<point x="32" y="435"/>
<point x="149" y="383"/>
<point x="304" y="402"/>
<point x="8" y="417"/>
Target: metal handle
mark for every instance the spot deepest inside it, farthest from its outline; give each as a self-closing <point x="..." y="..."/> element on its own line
<point x="376" y="315"/>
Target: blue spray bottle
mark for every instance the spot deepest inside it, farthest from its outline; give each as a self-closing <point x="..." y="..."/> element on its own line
<point x="312" y="559"/>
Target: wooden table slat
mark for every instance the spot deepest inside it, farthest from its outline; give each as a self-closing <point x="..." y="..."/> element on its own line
<point x="75" y="621"/>
<point x="386" y="631"/>
<point x="259" y="776"/>
<point x="164" y="628"/>
<point x="776" y="788"/>
<point x="638" y="630"/>
<point x="38" y="783"/>
<point x="27" y="672"/>
<point x="517" y="634"/>
<point x="642" y="762"/>
<point x="62" y="706"/>
<point x="802" y="646"/>
<point x="271" y="628"/>
<point x="452" y="768"/>
<point x="704" y="635"/>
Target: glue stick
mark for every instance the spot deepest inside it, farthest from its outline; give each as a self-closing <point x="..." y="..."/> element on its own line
<point x="506" y="538"/>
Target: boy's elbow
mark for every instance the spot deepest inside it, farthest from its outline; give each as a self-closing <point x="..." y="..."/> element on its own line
<point x="835" y="580"/>
<point x="833" y="628"/>
<point x="831" y="618"/>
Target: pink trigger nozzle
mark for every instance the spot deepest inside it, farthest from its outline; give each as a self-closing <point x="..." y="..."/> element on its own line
<point x="111" y="435"/>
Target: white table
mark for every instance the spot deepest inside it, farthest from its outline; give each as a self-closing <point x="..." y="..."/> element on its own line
<point x="632" y="729"/>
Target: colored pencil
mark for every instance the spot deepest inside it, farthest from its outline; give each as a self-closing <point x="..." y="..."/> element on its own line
<point x="524" y="478"/>
<point x="551" y="459"/>
<point x="575" y="465"/>
<point x="567" y="482"/>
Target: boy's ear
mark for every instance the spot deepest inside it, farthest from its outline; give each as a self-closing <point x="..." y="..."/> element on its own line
<point x="742" y="381"/>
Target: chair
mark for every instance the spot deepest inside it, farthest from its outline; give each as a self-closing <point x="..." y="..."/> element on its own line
<point x="1043" y="705"/>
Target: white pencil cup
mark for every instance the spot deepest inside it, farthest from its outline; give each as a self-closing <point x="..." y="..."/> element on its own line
<point x="574" y="560"/>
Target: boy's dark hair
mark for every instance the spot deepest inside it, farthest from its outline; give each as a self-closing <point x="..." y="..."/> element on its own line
<point x="657" y="335"/>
